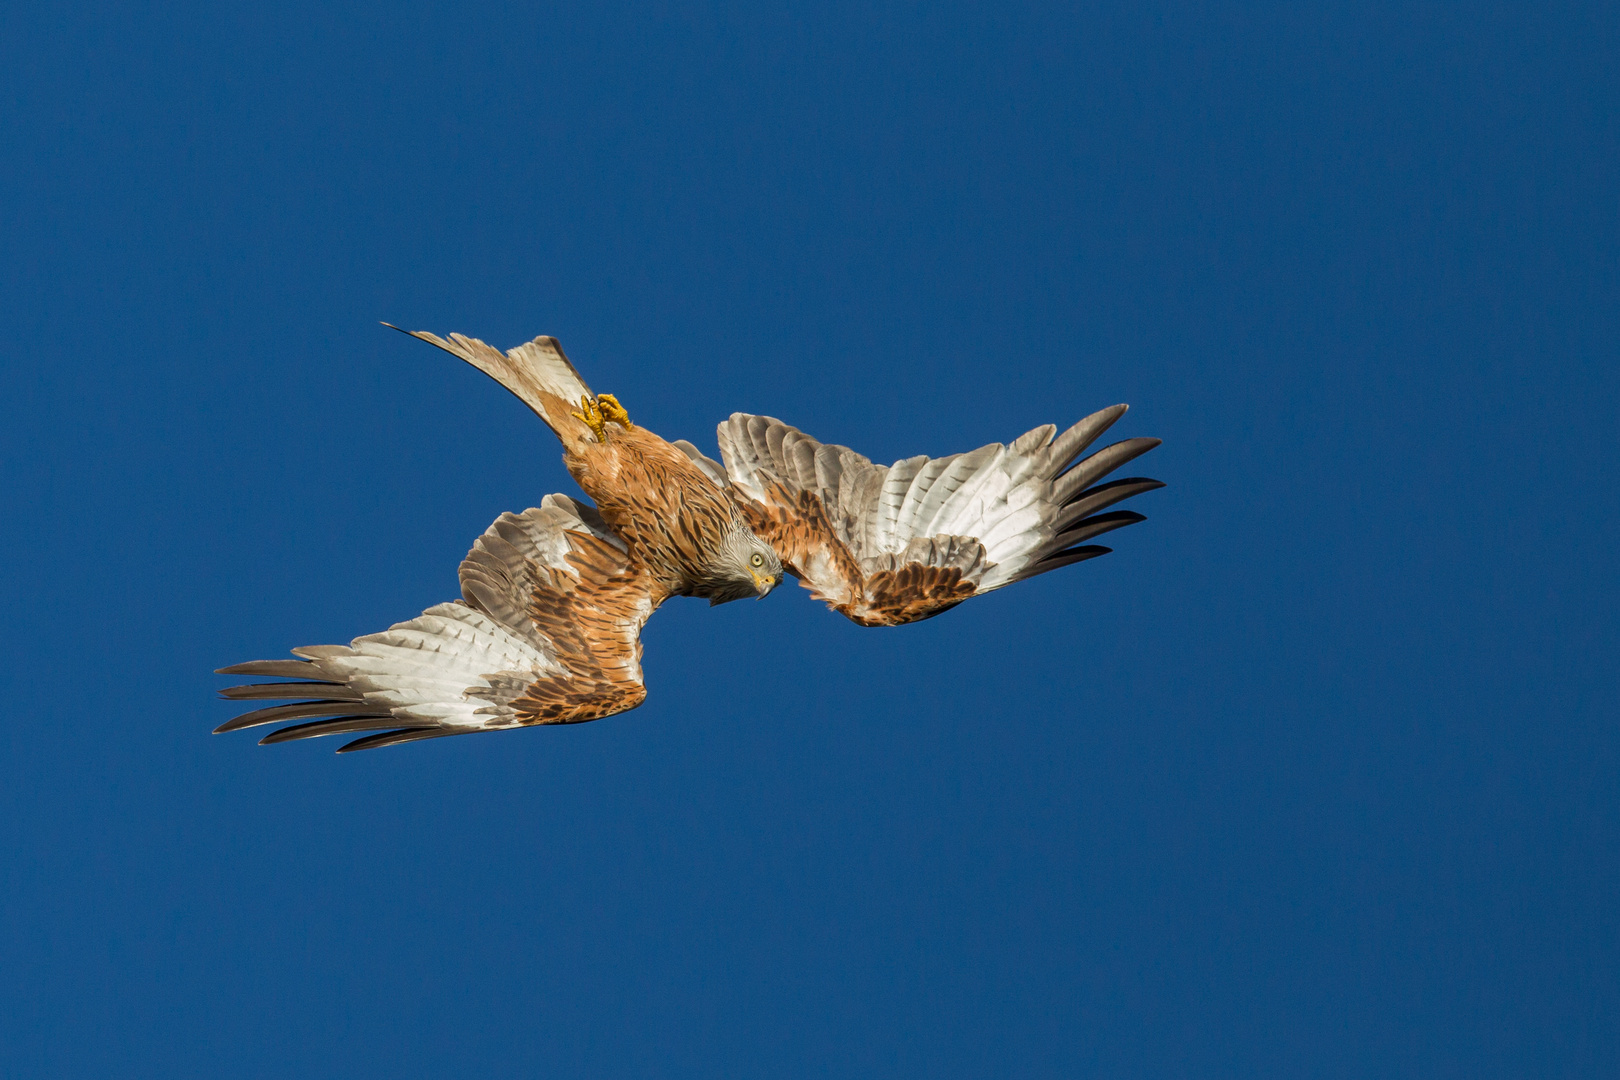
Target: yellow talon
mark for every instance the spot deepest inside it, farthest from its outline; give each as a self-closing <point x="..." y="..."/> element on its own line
<point x="610" y="409"/>
<point x="591" y="415"/>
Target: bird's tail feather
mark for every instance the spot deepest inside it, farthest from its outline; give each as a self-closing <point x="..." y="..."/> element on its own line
<point x="538" y="373"/>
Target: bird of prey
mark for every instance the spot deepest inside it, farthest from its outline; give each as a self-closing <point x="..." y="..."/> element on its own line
<point x="547" y="630"/>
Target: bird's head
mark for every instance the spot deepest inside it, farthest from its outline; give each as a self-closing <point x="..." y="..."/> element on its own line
<point x="744" y="566"/>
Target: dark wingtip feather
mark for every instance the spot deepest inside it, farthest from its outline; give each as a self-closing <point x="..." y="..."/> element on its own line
<point x="393" y="738"/>
<point x="321" y="691"/>
<point x="1085" y="503"/>
<point x="300" y="711"/>
<point x="1070" y="556"/>
<point x="1096" y="526"/>
<point x="342" y="725"/>
<point x="1139" y="483"/>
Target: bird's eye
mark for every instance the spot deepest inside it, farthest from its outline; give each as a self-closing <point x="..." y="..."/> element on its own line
<point x="757" y="560"/>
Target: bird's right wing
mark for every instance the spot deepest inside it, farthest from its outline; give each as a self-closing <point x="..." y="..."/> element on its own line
<point x="547" y="632"/>
<point x="892" y="544"/>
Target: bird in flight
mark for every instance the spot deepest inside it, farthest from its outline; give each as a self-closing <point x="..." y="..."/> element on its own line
<point x="547" y="630"/>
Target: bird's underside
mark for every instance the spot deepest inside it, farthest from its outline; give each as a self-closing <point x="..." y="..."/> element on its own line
<point x="547" y="630"/>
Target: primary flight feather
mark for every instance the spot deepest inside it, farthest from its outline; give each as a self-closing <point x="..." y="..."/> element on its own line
<point x="553" y="599"/>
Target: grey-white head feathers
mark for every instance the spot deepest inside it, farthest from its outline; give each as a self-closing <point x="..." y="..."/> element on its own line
<point x="744" y="566"/>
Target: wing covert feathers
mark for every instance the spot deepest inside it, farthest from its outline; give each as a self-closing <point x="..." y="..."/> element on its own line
<point x="892" y="544"/>
<point x="547" y="632"/>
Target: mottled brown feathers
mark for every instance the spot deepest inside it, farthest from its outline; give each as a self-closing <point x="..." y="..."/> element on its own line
<point x="670" y="514"/>
<point x="594" y="623"/>
<point x="796" y="525"/>
<point x="911" y="593"/>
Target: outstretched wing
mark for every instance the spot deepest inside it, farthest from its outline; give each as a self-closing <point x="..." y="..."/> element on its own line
<point x="893" y="544"/>
<point x="547" y="632"/>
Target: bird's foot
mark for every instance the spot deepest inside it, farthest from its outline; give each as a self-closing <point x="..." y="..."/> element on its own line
<point x="612" y="411"/>
<point x="591" y="414"/>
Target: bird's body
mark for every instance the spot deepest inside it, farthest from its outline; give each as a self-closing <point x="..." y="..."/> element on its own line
<point x="553" y="599"/>
<point x="671" y="516"/>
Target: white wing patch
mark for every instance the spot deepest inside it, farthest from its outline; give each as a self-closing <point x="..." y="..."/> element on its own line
<point x="458" y="667"/>
<point x="1015" y="500"/>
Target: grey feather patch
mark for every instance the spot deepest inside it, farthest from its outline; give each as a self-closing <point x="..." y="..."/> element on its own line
<point x="586" y="514"/>
<point x="775" y="434"/>
<point x="829" y="467"/>
<point x="962" y="553"/>
<point x="538" y="532"/>
<point x="917" y="492"/>
<point x="496" y="579"/>
<point x="504" y="688"/>
<point x="711" y="468"/>
<point x="801" y="463"/>
<point x="500" y="602"/>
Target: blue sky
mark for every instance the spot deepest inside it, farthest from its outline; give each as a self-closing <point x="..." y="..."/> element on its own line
<point x="1315" y="776"/>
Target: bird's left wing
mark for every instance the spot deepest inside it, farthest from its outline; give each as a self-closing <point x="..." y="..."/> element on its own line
<point x="886" y="545"/>
<point x="547" y="632"/>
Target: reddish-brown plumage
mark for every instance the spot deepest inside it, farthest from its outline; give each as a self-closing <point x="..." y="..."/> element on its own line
<point x="911" y="593"/>
<point x="671" y="518"/>
<point x="796" y="526"/>
<point x="594" y="622"/>
<point x="670" y="514"/>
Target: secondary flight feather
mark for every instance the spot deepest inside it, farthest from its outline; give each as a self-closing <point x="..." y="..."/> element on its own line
<point x="548" y="627"/>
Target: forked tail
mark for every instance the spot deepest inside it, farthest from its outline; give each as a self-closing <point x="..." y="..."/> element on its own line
<point x="538" y="373"/>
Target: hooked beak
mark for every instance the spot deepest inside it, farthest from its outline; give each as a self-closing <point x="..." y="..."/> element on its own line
<point x="763" y="585"/>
